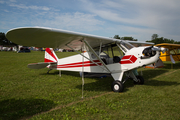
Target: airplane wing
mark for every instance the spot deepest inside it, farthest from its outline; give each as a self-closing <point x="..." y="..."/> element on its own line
<point x="137" y="43"/>
<point x="55" y="38"/>
<point x="169" y="46"/>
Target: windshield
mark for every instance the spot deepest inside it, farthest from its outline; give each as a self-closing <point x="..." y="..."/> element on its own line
<point x="126" y="45"/>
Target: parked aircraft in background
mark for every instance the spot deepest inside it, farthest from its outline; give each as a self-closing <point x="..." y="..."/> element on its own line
<point x="103" y="55"/>
<point x="172" y="54"/>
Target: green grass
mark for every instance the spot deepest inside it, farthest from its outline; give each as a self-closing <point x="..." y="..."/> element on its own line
<point x="32" y="94"/>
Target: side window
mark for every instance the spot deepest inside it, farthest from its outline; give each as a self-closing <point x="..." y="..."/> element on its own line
<point x="113" y="52"/>
<point x="109" y="53"/>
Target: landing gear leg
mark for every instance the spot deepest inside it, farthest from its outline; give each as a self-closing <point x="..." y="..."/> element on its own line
<point x="49" y="71"/>
<point x="117" y="85"/>
<point x="135" y="77"/>
<point x="140" y="80"/>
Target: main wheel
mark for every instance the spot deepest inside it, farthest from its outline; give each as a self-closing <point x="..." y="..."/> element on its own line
<point x="140" y="80"/>
<point x="117" y="86"/>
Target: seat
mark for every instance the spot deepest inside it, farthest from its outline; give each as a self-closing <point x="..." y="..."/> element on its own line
<point x="116" y="59"/>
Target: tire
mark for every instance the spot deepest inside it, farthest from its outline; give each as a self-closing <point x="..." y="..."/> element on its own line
<point x="140" y="80"/>
<point x="117" y="86"/>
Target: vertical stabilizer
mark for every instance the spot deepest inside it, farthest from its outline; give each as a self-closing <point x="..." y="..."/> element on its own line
<point x="50" y="55"/>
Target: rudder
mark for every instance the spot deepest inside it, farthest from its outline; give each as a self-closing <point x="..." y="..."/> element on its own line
<point x="50" y="55"/>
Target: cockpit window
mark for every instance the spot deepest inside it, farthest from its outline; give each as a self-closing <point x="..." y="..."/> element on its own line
<point x="126" y="45"/>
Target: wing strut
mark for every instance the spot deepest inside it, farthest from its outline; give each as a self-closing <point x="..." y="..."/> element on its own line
<point x="96" y="55"/>
<point x="82" y="72"/>
<point x="100" y="48"/>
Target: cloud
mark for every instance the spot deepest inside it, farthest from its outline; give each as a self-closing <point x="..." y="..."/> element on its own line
<point x="12" y="0"/>
<point x="71" y="21"/>
<point x="33" y="7"/>
<point x="160" y="16"/>
<point x="48" y="17"/>
<point x="139" y="19"/>
<point x="2" y="2"/>
<point x="76" y="21"/>
<point x="13" y="3"/>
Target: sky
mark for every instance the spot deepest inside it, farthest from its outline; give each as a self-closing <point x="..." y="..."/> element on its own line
<point x="139" y="19"/>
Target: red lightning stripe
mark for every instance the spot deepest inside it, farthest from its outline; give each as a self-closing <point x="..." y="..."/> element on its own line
<point x="129" y="59"/>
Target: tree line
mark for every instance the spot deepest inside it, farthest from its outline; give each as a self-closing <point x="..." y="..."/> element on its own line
<point x="125" y="38"/>
<point x="157" y="40"/>
<point x="154" y="39"/>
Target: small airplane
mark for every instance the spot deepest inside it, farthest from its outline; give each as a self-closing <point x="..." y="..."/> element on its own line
<point x="103" y="55"/>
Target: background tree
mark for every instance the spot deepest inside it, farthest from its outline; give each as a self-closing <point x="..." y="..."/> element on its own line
<point x="124" y="38"/>
<point x="154" y="36"/>
<point x="129" y="38"/>
<point x="157" y="40"/>
<point x="116" y="37"/>
<point x="2" y="38"/>
<point x="4" y="41"/>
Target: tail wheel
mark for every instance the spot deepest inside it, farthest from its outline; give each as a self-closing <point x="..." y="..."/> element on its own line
<point x="117" y="86"/>
<point x="140" y="80"/>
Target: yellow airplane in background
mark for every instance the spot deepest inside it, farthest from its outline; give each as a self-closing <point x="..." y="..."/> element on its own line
<point x="172" y="54"/>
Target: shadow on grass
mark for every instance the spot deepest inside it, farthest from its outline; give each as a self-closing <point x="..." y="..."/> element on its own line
<point x="102" y="81"/>
<point x="170" y="65"/>
<point x="153" y="73"/>
<point x="100" y="84"/>
<point x="14" y="109"/>
<point x="151" y="77"/>
<point x="161" y="83"/>
<point x="104" y="84"/>
<point x="56" y="72"/>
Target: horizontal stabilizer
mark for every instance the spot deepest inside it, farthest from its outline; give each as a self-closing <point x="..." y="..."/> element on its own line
<point x="40" y="65"/>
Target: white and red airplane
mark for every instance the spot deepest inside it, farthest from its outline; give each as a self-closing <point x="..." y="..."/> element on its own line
<point x="103" y="55"/>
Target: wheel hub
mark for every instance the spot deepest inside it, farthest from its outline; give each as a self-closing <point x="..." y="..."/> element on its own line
<point x="116" y="87"/>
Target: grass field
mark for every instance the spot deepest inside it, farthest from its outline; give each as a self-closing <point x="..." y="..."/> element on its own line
<point x="32" y="94"/>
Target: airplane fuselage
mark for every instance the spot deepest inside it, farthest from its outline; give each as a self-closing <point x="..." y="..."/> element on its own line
<point x="132" y="59"/>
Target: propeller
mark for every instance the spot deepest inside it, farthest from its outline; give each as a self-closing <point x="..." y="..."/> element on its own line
<point x="154" y="48"/>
